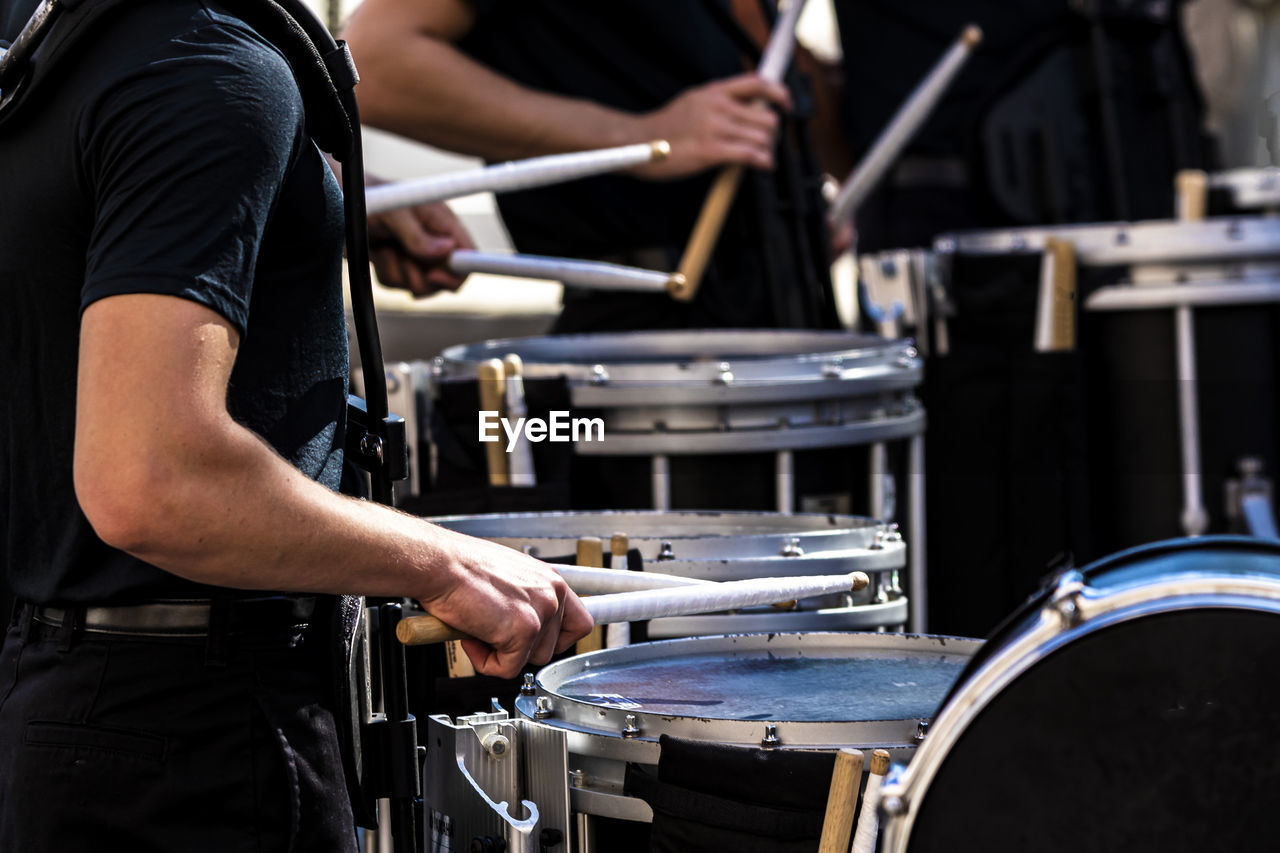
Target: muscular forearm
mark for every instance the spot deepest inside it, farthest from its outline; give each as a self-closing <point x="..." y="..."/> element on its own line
<point x="421" y="86"/>
<point x="174" y="480"/>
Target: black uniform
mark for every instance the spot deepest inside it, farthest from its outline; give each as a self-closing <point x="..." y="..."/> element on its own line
<point x="770" y="266"/>
<point x="169" y="157"/>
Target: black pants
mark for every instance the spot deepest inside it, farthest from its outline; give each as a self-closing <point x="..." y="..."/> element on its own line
<point x="138" y="745"/>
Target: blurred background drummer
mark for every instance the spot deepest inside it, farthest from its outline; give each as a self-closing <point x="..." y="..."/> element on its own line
<point x="505" y="80"/>
<point x="1066" y="113"/>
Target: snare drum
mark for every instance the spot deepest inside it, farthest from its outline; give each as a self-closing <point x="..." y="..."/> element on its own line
<point x="587" y="717"/>
<point x="737" y="419"/>
<point x="1129" y="706"/>
<point x="723" y="546"/>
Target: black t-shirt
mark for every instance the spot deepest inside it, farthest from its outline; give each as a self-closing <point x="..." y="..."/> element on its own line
<point x="636" y="55"/>
<point x="168" y="157"/>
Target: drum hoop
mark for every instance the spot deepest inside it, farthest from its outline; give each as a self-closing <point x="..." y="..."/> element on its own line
<point x="601" y="725"/>
<point x="1073" y="611"/>
<point x="1123" y="243"/>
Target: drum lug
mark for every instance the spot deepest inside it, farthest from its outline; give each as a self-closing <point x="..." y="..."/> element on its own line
<point x="1065" y="600"/>
<point x="832" y="370"/>
<point x="725" y="376"/>
<point x="791" y="547"/>
<point x="528" y="688"/>
<point x="543" y="710"/>
<point x="665" y="552"/>
<point x="599" y="375"/>
<point x="629" y="728"/>
<point x="770" y="740"/>
<point x="922" y="729"/>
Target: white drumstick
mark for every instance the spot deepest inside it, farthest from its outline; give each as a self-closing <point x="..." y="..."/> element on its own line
<point x="588" y="581"/>
<point x="516" y="175"/>
<point x="520" y="454"/>
<point x="682" y="601"/>
<point x="595" y="275"/>
<point x="658" y="603"/>
<point x="864" y="837"/>
<point x="904" y="125"/>
<point x="782" y="44"/>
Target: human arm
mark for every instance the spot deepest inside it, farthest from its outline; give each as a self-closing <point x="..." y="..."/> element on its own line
<point x="174" y="480"/>
<point x="405" y="49"/>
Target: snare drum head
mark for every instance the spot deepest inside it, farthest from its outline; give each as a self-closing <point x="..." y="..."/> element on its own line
<point x="1156" y="729"/>
<point x="820" y="689"/>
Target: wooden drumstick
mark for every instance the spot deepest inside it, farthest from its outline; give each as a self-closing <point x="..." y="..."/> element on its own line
<point x="618" y="634"/>
<point x="492" y="390"/>
<point x="1056" y="311"/>
<point x="706" y="230"/>
<point x="864" y="840"/>
<point x="591" y="553"/>
<point x="668" y="601"/>
<point x="842" y="802"/>
<point x="1192" y="186"/>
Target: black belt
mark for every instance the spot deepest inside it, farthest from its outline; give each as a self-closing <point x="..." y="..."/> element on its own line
<point x="177" y="618"/>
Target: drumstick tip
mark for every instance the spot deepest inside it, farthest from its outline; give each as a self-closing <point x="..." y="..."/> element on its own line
<point x="859" y="581"/>
<point x="972" y="35"/>
<point x="880" y="762"/>
<point x="659" y="150"/>
<point x="678" y="285"/>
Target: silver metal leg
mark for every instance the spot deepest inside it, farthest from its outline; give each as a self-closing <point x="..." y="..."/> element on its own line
<point x="586" y="832"/>
<point x="879" y="465"/>
<point x="785" y="481"/>
<point x="1194" y="519"/>
<point x="916" y="581"/>
<point x="660" y="477"/>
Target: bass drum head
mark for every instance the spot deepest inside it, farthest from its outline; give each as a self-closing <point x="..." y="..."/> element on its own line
<point x="1158" y="731"/>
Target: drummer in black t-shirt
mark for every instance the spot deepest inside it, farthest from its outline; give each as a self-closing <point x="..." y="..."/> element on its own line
<point x="504" y="80"/>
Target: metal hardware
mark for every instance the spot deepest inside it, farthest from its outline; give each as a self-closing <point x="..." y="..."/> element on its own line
<point x="544" y="710"/>
<point x="528" y="688"/>
<point x="922" y="730"/>
<point x="496" y="745"/>
<point x="770" y="739"/>
<point x="791" y="547"/>
<point x="629" y="728"/>
<point x="666" y="553"/>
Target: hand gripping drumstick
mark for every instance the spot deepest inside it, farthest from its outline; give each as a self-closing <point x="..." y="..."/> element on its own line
<point x="706" y="231"/>
<point x="864" y="840"/>
<point x="904" y="125"/>
<point x="596" y="275"/>
<point x="516" y="175"/>
<point x="842" y="802"/>
<point x="659" y="603"/>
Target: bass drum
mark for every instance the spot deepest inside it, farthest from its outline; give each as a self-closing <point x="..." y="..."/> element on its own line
<point x="1133" y="705"/>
